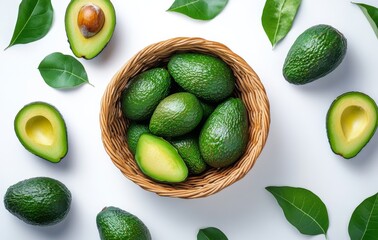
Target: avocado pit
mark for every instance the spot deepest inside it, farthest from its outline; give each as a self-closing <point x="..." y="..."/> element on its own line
<point x="90" y="20"/>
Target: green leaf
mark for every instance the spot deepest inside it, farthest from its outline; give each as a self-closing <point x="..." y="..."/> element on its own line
<point x="33" y="22"/>
<point x="278" y="17"/>
<point x="371" y="14"/>
<point x="199" y="9"/>
<point x="62" y="71"/>
<point x="211" y="233"/>
<point x="363" y="224"/>
<point x="303" y="209"/>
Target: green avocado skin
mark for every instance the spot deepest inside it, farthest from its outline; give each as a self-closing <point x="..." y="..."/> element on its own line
<point x="206" y="76"/>
<point x="116" y="224"/>
<point x="38" y="201"/>
<point x="224" y="136"/>
<point x="314" y="54"/>
<point x="134" y="131"/>
<point x="144" y="93"/>
<point x="176" y="115"/>
<point x="188" y="148"/>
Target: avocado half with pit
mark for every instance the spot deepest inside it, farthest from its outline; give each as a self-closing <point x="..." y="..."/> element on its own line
<point x="351" y="123"/>
<point x="89" y="26"/>
<point x="41" y="129"/>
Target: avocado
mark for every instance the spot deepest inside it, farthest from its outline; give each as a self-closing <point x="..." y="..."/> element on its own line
<point x="159" y="160"/>
<point x="133" y="133"/>
<point x="207" y="109"/>
<point x="314" y="54"/>
<point x="42" y="130"/>
<point x="224" y="136"/>
<point x="176" y="115"/>
<point x="38" y="201"/>
<point x="117" y="224"/>
<point x="208" y="77"/>
<point x="188" y="148"/>
<point x="351" y="123"/>
<point x="89" y="26"/>
<point x="144" y="92"/>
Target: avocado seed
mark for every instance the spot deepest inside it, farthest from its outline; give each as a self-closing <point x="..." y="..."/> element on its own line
<point x="90" y="20"/>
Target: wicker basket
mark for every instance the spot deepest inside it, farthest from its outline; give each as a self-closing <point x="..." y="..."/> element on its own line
<point x="249" y="89"/>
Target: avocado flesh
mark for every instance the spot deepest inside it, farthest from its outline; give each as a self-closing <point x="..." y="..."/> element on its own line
<point x="42" y="131"/>
<point x="81" y="46"/>
<point x="351" y="123"/>
<point x="159" y="160"/>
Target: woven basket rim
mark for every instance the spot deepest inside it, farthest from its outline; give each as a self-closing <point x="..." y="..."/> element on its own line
<point x="249" y="88"/>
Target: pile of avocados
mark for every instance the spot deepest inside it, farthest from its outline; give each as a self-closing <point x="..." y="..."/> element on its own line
<point x="183" y="117"/>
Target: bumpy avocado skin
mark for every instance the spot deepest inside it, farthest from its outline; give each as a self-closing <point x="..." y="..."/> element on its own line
<point x="134" y="131"/>
<point x="188" y="148"/>
<point x="206" y="76"/>
<point x="224" y="136"/>
<point x="144" y="92"/>
<point x="81" y="46"/>
<point x="314" y="54"/>
<point x="176" y="115"/>
<point x="116" y="224"/>
<point x="38" y="201"/>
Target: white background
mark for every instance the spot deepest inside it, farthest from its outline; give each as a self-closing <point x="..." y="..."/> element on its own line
<point x="297" y="152"/>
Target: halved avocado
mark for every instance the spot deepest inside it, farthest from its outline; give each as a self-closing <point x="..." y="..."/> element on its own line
<point x="41" y="129"/>
<point x="89" y="26"/>
<point x="351" y="123"/>
<point x="159" y="160"/>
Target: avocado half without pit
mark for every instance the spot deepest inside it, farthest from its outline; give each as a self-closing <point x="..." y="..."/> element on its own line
<point x="89" y="26"/>
<point x="351" y="123"/>
<point x="41" y="129"/>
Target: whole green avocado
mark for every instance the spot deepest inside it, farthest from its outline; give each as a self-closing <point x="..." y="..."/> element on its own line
<point x="206" y="76"/>
<point x="117" y="224"/>
<point x="224" y="136"/>
<point x="38" y="201"/>
<point x="314" y="54"/>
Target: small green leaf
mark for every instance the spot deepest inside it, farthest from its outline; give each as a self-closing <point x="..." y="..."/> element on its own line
<point x="62" y="71"/>
<point x="199" y="9"/>
<point x="371" y="14"/>
<point x="278" y="17"/>
<point x="303" y="209"/>
<point x="211" y="233"/>
<point x="33" y="22"/>
<point x="363" y="224"/>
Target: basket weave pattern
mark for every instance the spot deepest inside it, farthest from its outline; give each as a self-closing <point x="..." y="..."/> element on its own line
<point x="248" y="87"/>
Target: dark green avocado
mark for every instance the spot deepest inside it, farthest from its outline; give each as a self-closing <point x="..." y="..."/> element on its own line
<point x="134" y="131"/>
<point x="224" y="136"/>
<point x="206" y="76"/>
<point x="314" y="54"/>
<point x="144" y="92"/>
<point x="41" y="129"/>
<point x="89" y="26"/>
<point x="38" y="201"/>
<point x="176" y="115"/>
<point x="117" y="224"/>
